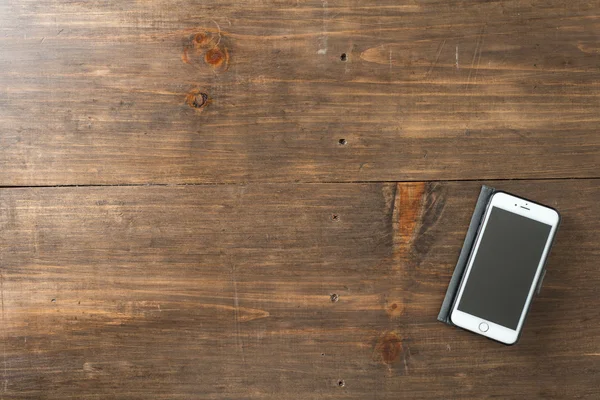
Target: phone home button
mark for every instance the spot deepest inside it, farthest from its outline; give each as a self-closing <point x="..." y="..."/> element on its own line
<point x="483" y="327"/>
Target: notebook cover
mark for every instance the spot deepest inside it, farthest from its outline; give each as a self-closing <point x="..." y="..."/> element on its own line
<point x="482" y="202"/>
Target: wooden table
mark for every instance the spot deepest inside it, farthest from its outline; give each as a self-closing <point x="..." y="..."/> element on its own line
<point x="266" y="199"/>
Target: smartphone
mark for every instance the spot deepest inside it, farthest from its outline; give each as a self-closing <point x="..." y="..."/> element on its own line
<point x="505" y="267"/>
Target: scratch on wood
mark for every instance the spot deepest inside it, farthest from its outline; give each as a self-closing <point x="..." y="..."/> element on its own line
<point x="5" y="386"/>
<point x="457" y="57"/>
<point x="589" y="48"/>
<point x="393" y="206"/>
<point x="323" y="39"/>
<point x="478" y="60"/>
<point x="218" y="33"/>
<point x="478" y="47"/>
<point x="236" y="313"/>
<point x="472" y="64"/>
<point x="36" y="242"/>
<point x="407" y="355"/>
<point x="437" y="57"/>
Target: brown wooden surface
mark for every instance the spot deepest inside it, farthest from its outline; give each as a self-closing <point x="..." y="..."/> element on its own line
<point x="224" y="292"/>
<point x="102" y="92"/>
<point x="266" y="199"/>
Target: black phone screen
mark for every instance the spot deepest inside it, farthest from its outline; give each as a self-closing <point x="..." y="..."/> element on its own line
<point x="504" y="268"/>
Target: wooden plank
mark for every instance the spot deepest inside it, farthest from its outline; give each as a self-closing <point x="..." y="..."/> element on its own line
<point x="225" y="291"/>
<point x="186" y="92"/>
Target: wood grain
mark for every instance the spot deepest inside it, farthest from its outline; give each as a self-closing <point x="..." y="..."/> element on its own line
<point x="185" y="92"/>
<point x="305" y="271"/>
<point x="225" y="291"/>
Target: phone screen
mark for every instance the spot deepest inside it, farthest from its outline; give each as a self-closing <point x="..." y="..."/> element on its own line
<point x="504" y="267"/>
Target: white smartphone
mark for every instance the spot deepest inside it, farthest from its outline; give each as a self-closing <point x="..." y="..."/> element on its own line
<point x="504" y="268"/>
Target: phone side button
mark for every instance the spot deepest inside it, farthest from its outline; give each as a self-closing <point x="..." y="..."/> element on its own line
<point x="541" y="282"/>
<point x="483" y="327"/>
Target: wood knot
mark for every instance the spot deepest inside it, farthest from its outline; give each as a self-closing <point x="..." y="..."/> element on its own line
<point x="389" y="347"/>
<point x="201" y="39"/>
<point x="197" y="99"/>
<point x="206" y="48"/>
<point x="394" y="309"/>
<point x="214" y="57"/>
